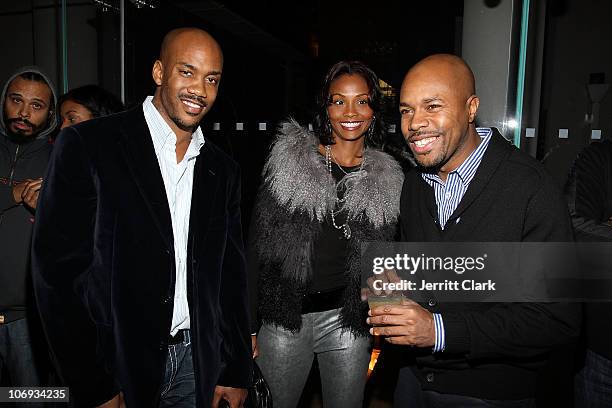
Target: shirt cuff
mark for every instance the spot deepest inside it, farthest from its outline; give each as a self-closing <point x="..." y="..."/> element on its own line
<point x="439" y="331"/>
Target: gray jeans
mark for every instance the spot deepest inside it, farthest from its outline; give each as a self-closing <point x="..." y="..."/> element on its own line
<point x="285" y="360"/>
<point x="593" y="384"/>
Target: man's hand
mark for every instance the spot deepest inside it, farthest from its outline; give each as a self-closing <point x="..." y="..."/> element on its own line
<point x="254" y="346"/>
<point x="234" y="396"/>
<point x="18" y="189"/>
<point x="27" y="192"/>
<point x="407" y="324"/>
<point x="116" y="402"/>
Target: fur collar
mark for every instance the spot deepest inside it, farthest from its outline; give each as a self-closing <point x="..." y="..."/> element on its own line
<point x="299" y="180"/>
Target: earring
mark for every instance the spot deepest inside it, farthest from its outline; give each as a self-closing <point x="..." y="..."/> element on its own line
<point x="370" y="132"/>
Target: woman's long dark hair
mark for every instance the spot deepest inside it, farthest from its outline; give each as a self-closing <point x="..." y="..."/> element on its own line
<point x="96" y="99"/>
<point x="374" y="137"/>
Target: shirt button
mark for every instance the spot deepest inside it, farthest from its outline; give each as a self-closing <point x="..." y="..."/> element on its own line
<point x="166" y="300"/>
<point x="430" y="377"/>
<point x="432" y="302"/>
<point x="162" y="345"/>
<point x="447" y="195"/>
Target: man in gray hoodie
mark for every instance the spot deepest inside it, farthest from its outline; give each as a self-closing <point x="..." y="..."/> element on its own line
<point x="28" y="117"/>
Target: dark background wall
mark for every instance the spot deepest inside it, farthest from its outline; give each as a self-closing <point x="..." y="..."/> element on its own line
<point x="578" y="34"/>
<point x="277" y="52"/>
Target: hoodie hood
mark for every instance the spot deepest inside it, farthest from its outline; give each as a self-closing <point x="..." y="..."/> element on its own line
<point x="52" y="120"/>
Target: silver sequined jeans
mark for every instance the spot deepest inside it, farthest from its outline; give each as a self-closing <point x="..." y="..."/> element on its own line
<point x="285" y="360"/>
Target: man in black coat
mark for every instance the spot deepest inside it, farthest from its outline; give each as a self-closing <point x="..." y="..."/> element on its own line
<point x="471" y="186"/>
<point x="138" y="256"/>
<point x="589" y="192"/>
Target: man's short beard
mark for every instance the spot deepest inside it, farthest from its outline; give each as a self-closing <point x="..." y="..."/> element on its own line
<point x="181" y="125"/>
<point x="20" y="136"/>
<point x="430" y="168"/>
<point x="166" y="105"/>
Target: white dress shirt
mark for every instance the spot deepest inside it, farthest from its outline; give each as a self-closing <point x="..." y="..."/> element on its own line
<point x="178" y="181"/>
<point x="448" y="195"/>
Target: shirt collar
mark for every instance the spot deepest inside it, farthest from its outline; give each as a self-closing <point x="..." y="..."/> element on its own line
<point x="197" y="141"/>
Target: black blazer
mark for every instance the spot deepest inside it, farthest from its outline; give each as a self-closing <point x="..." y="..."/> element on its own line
<point x="104" y="270"/>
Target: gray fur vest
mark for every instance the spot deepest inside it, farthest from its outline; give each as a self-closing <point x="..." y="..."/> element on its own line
<point x="296" y="197"/>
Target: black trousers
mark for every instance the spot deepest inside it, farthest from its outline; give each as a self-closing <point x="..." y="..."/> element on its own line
<point x="408" y="394"/>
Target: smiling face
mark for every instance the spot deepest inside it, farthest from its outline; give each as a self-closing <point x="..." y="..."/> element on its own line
<point x="187" y="77"/>
<point x="438" y="109"/>
<point x="27" y="107"/>
<point x="349" y="111"/>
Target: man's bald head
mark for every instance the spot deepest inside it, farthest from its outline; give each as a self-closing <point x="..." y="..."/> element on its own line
<point x="446" y="68"/>
<point x="180" y="37"/>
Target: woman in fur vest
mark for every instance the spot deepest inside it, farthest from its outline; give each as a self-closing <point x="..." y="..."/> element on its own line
<point x="323" y="193"/>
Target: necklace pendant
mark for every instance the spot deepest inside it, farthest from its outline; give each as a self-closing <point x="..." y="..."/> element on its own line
<point x="346" y="230"/>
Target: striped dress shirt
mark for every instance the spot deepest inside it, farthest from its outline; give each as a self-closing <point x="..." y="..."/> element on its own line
<point x="178" y="182"/>
<point x="448" y="196"/>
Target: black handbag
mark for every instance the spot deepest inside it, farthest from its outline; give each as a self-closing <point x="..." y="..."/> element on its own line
<point x="259" y="393"/>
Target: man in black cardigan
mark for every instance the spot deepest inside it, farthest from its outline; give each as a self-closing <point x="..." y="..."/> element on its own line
<point x="472" y="185"/>
<point x="589" y="192"/>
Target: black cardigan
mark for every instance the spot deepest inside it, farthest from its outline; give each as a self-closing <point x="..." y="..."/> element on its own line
<point x="493" y="350"/>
